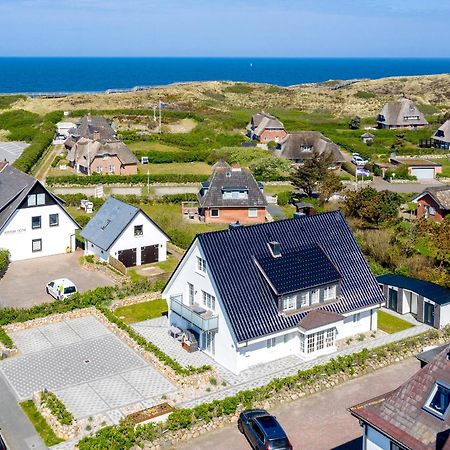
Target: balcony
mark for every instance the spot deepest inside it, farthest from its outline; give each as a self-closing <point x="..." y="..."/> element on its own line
<point x="195" y="314"/>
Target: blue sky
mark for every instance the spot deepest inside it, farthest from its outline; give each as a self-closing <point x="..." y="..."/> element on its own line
<point x="354" y="28"/>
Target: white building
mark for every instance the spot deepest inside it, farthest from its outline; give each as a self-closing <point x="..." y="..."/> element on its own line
<point x="259" y="293"/>
<point x="126" y="233"/>
<point x="33" y="221"/>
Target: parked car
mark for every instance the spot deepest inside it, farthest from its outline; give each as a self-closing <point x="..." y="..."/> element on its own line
<point x="61" y="288"/>
<point x="263" y="430"/>
<point x="359" y="160"/>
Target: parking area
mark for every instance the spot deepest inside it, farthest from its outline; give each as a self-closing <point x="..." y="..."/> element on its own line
<point x="10" y="151"/>
<point x="24" y="282"/>
<point x="89" y="368"/>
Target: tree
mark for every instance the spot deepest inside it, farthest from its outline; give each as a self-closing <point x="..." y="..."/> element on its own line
<point x="309" y="175"/>
<point x="354" y="123"/>
<point x="329" y="185"/>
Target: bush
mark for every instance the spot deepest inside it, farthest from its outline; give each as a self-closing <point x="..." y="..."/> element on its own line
<point x="56" y="407"/>
<point x="125" y="179"/>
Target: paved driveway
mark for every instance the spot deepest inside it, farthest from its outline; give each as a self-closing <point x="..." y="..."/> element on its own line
<point x="24" y="282"/>
<point x="320" y="422"/>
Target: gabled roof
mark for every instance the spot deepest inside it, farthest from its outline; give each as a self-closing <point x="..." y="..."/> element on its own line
<point x="319" y="318"/>
<point x="444" y="130"/>
<point x="111" y="220"/>
<point x="85" y="150"/>
<point x="247" y="297"/>
<point x="226" y="178"/>
<point x="294" y="146"/>
<point x="14" y="188"/>
<point x="440" y="194"/>
<point x="262" y="121"/>
<point x="91" y="126"/>
<point x="434" y="292"/>
<point x="400" y="414"/>
<point x="395" y="112"/>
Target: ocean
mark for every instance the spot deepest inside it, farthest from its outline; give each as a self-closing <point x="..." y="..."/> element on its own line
<point x="64" y="75"/>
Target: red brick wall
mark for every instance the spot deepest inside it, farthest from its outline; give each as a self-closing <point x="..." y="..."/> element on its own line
<point x="427" y="200"/>
<point x="231" y="215"/>
<point x="272" y="135"/>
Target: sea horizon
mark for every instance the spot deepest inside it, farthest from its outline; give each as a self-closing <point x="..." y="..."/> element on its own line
<point x="36" y="75"/>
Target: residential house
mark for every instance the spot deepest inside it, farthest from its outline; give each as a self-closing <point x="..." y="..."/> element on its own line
<point x="401" y="114"/>
<point x="232" y="195"/>
<point x="441" y="138"/>
<point x="125" y="233"/>
<point x="258" y="293"/>
<point x="427" y="302"/>
<point x="265" y="128"/>
<point x="433" y="203"/>
<point x="33" y="221"/>
<point x="415" y="416"/>
<point x="103" y="157"/>
<point x="422" y="169"/>
<point x="300" y="146"/>
<point x="367" y="138"/>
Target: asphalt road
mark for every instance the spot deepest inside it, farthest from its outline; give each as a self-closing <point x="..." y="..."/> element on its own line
<point x="321" y="421"/>
<point x="16" y="429"/>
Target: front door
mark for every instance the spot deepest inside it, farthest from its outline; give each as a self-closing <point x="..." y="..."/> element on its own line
<point x="392" y="299"/>
<point x="428" y="313"/>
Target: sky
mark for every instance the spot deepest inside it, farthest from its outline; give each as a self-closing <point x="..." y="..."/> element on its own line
<point x="257" y="28"/>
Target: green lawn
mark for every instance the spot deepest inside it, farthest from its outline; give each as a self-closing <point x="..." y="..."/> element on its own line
<point x="42" y="427"/>
<point x="142" y="311"/>
<point x="391" y="324"/>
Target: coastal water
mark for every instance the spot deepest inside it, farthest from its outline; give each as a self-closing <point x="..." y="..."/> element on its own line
<point x="39" y="75"/>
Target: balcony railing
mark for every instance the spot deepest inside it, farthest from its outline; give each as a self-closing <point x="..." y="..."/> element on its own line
<point x="205" y="320"/>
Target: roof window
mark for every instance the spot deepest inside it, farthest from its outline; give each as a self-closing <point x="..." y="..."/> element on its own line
<point x="439" y="400"/>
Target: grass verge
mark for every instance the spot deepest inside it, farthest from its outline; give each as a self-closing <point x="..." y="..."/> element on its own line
<point x="391" y="324"/>
<point x="142" y="311"/>
<point x="39" y="423"/>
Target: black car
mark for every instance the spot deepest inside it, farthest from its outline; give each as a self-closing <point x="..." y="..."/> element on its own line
<point x="263" y="430"/>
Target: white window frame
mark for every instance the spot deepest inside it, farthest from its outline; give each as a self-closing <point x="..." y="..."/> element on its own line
<point x="289" y="302"/>
<point x="253" y="212"/>
<point x="201" y="265"/>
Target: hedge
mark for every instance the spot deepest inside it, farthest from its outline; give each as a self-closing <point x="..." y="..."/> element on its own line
<point x="56" y="407"/>
<point x="185" y="418"/>
<point x="4" y="261"/>
<point x="163" y="357"/>
<point x="125" y="179"/>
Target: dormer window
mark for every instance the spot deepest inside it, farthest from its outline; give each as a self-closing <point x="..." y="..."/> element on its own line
<point x="439" y="400"/>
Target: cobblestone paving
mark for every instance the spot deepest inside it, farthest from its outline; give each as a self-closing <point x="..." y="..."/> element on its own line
<point x="88" y="367"/>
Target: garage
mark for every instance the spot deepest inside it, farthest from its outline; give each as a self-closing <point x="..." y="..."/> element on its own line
<point x="423" y="173"/>
<point x="127" y="257"/>
<point x="149" y="254"/>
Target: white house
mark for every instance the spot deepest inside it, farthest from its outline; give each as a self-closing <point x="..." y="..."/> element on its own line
<point x="125" y="233"/>
<point x="259" y="293"/>
<point x="33" y="221"/>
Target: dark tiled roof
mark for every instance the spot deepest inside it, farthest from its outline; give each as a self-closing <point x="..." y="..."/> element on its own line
<point x="400" y="415"/>
<point x="438" y="294"/>
<point x="224" y="177"/>
<point x="300" y="269"/>
<point x="293" y="146"/>
<point x="248" y="300"/>
<point x="319" y="318"/>
<point x="14" y="187"/>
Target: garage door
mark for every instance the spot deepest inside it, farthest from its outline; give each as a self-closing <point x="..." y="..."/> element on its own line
<point x="423" y="173"/>
<point x="149" y="254"/>
<point x="127" y="257"/>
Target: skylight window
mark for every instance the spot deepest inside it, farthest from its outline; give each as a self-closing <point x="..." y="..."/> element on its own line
<point x="439" y="400"/>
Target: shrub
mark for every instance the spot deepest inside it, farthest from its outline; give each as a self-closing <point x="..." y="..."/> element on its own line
<point x="56" y="407"/>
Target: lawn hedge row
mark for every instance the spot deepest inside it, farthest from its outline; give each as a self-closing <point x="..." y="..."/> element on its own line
<point x="163" y="357"/>
<point x="128" y="435"/>
<point x="125" y="179"/>
<point x="56" y="407"/>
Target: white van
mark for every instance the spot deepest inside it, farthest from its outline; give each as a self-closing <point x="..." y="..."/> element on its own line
<point x="61" y="288"/>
